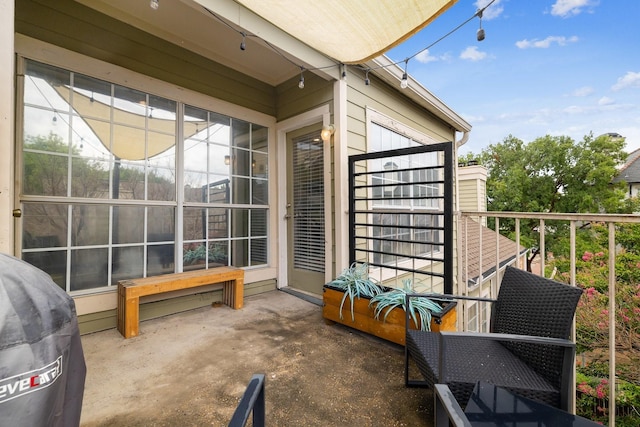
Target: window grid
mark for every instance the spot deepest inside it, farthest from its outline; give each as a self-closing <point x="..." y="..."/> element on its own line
<point x="99" y="189"/>
<point x="401" y="237"/>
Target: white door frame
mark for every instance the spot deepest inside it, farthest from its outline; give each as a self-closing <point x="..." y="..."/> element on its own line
<point x="320" y="114"/>
<point x="7" y="127"/>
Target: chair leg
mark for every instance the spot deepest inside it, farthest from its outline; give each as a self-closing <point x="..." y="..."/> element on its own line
<point x="407" y="381"/>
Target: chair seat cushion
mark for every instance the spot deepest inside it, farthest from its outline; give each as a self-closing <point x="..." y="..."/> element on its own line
<point x="471" y="359"/>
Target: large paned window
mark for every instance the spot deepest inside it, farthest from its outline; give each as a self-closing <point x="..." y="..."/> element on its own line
<point x="406" y="192"/>
<point x="225" y="191"/>
<point x="99" y="182"/>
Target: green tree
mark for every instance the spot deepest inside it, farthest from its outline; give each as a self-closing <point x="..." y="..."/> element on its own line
<point x="554" y="174"/>
<point x="45" y="173"/>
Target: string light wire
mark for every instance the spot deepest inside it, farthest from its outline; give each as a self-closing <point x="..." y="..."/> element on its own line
<point x="338" y="64"/>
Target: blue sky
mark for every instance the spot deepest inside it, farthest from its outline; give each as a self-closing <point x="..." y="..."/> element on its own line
<point x="557" y="67"/>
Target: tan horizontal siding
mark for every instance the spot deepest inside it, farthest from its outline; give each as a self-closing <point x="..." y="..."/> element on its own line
<point x="291" y="100"/>
<point x="78" y="28"/>
<point x="386" y="100"/>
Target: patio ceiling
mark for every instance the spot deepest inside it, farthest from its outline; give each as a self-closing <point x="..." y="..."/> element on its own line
<point x="189" y="25"/>
<point x="282" y="35"/>
<point x="316" y="35"/>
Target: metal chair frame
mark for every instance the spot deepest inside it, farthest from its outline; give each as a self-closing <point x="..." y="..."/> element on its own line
<point x="527" y="351"/>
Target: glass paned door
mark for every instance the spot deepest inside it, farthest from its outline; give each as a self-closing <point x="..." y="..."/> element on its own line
<point x="305" y="210"/>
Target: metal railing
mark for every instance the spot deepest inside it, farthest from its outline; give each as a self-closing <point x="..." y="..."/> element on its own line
<point x="573" y="220"/>
<point x="252" y="401"/>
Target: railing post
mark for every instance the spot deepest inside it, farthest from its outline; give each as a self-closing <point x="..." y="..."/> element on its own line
<point x="542" y="248"/>
<point x="518" y="242"/>
<point x="480" y="286"/>
<point x="497" y="275"/>
<point x="612" y="324"/>
<point x="572" y="273"/>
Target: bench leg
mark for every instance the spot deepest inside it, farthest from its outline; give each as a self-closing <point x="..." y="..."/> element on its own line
<point x="121" y="303"/>
<point x="233" y="293"/>
<point x="238" y="294"/>
<point x="130" y="318"/>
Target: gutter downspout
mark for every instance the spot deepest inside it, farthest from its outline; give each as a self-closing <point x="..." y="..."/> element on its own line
<point x="459" y="280"/>
<point x="462" y="141"/>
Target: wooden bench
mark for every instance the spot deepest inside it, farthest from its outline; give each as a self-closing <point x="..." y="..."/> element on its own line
<point x="130" y="291"/>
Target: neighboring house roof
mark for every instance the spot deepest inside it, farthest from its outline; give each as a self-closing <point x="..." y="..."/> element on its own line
<point x="630" y="171"/>
<point x="471" y="232"/>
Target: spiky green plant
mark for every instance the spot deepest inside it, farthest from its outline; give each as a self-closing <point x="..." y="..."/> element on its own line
<point x="355" y="283"/>
<point x="421" y="308"/>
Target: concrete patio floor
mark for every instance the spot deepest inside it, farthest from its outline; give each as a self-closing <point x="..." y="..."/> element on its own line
<point x="190" y="369"/>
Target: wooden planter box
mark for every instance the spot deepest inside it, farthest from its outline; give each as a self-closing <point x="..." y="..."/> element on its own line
<point x="392" y="329"/>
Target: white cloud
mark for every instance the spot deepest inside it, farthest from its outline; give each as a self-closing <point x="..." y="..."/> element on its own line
<point x="535" y="43"/>
<point x="632" y="136"/>
<point x="425" y="57"/>
<point x="473" y="119"/>
<point x="492" y="11"/>
<point x="574" y="121"/>
<point x="605" y="100"/>
<point x="566" y="8"/>
<point x="582" y="91"/>
<point x="605" y="104"/>
<point x="630" y="79"/>
<point x="574" y="109"/>
<point x="472" y="53"/>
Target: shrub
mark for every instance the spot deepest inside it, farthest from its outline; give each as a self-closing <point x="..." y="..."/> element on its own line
<point x="593" y="397"/>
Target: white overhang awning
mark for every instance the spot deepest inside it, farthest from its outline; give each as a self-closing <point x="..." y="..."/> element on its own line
<point x="124" y="141"/>
<point x="349" y="31"/>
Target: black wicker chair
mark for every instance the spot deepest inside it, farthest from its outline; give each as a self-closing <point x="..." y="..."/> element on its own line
<point x="527" y="351"/>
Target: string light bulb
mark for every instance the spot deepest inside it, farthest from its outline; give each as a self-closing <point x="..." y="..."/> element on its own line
<point x="155" y="4"/>
<point x="404" y="83"/>
<point x="367" y="82"/>
<point x="480" y="33"/>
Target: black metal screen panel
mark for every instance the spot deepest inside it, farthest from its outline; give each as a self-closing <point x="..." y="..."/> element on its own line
<point x="401" y="213"/>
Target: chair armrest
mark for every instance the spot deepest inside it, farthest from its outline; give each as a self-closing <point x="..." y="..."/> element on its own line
<point x="436" y="297"/>
<point x="447" y="297"/>
<point x="446" y="408"/>
<point x="506" y="337"/>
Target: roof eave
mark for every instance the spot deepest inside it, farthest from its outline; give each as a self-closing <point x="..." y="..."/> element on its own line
<point x="287" y="45"/>
<point x="391" y="73"/>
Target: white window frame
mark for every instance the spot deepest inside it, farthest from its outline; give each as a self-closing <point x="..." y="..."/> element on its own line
<point x="29" y="48"/>
<point x="376" y="118"/>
